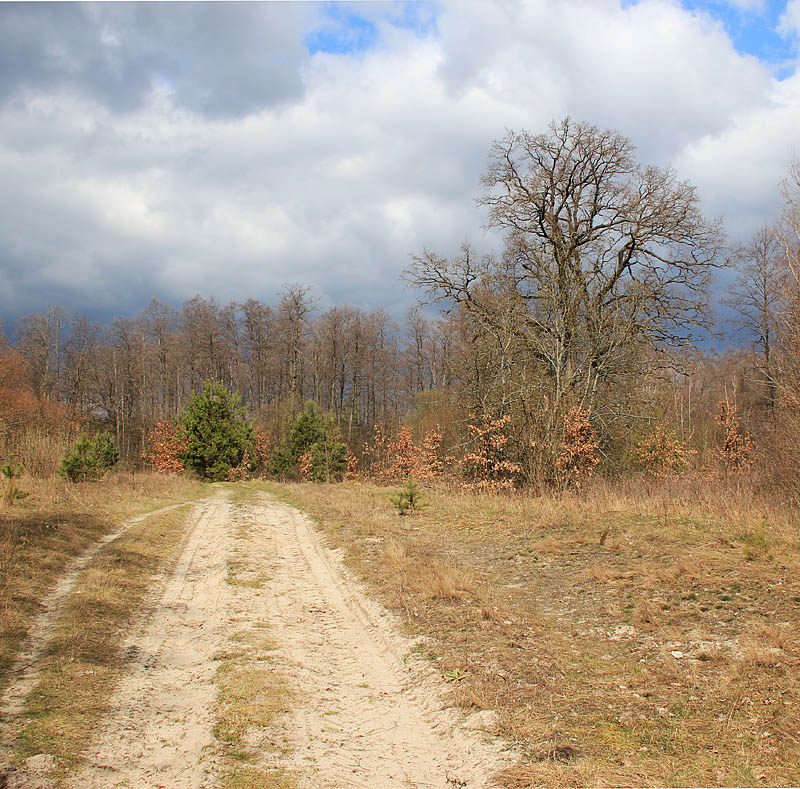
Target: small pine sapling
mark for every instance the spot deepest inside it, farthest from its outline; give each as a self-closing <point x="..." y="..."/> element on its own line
<point x="409" y="500"/>
<point x="12" y="471"/>
<point x="90" y="458"/>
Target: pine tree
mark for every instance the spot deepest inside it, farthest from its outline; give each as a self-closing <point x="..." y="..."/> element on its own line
<point x="315" y="439"/>
<point x="90" y="458"/>
<point x="217" y="433"/>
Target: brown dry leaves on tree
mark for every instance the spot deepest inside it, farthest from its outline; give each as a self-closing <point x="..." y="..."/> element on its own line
<point x="305" y="467"/>
<point x="736" y="451"/>
<point x="486" y="467"/>
<point x="578" y="458"/>
<point x="397" y="457"/>
<point x="166" y="443"/>
<point x="662" y="453"/>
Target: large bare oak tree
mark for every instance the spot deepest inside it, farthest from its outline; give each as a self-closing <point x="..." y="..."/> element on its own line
<point x="604" y="258"/>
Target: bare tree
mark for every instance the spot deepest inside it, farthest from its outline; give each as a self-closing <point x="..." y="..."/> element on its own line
<point x="603" y="256"/>
<point x="757" y="295"/>
<point x="292" y="321"/>
<point x="41" y="344"/>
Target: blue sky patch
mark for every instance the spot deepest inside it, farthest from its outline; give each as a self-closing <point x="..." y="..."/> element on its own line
<point x="753" y="31"/>
<point x="416" y="15"/>
<point x="342" y="32"/>
<point x="348" y="28"/>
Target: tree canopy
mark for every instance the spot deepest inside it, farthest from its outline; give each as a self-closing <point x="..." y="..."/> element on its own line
<point x="603" y="257"/>
<point x="218" y="436"/>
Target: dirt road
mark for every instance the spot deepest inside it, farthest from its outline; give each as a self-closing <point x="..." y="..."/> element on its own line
<point x="364" y="710"/>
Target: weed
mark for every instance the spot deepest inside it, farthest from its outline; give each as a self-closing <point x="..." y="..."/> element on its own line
<point x="755" y="544"/>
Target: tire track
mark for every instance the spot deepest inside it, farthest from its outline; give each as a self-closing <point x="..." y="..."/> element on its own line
<point x="25" y="671"/>
<point x="369" y="715"/>
<point x="161" y="731"/>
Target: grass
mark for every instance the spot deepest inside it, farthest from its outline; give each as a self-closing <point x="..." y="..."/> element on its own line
<point x="624" y="637"/>
<point x="253" y="696"/>
<point x="83" y="659"/>
<point x="58" y="521"/>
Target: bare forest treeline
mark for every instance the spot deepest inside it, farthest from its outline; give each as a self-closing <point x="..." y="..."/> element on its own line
<point x="363" y="367"/>
<point x="584" y="329"/>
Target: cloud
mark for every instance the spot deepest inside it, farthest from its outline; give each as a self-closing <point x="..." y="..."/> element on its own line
<point x="751" y="6"/>
<point x="167" y="150"/>
<point x="218" y="59"/>
<point x="737" y="169"/>
<point x="789" y="22"/>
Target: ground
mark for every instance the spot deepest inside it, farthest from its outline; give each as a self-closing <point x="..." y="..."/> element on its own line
<point x="255" y="660"/>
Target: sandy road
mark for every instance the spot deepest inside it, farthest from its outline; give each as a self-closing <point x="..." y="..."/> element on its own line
<point x="365" y="712"/>
<point x="370" y="714"/>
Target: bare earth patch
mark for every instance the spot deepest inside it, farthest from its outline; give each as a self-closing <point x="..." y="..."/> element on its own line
<point x="161" y="729"/>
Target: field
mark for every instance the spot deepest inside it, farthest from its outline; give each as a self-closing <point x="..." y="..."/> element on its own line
<point x="623" y="638"/>
<point x="613" y="637"/>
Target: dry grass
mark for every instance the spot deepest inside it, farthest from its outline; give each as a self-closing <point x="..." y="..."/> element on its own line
<point x="84" y="659"/>
<point x="253" y="695"/>
<point x="625" y="636"/>
<point x="58" y="521"/>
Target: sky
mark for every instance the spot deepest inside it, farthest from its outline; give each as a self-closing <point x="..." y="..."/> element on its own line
<point x="227" y="150"/>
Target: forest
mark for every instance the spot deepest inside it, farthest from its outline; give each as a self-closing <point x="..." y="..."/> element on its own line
<point x="581" y="350"/>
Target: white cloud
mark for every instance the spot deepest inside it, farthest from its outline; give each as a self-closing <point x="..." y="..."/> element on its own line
<point x="752" y="6"/>
<point x="377" y="157"/>
<point x="789" y="22"/>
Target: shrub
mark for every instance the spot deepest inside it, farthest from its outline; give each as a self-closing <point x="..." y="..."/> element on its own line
<point x="736" y="450"/>
<point x="166" y="445"/>
<point x="313" y="450"/>
<point x="409" y="500"/>
<point x="398" y="457"/>
<point x="487" y="467"/>
<point x="12" y="471"/>
<point x="578" y="456"/>
<point x="90" y="458"/>
<point x="662" y="453"/>
<point x="217" y="434"/>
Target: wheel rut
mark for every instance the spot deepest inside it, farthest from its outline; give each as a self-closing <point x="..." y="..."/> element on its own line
<point x="365" y="711"/>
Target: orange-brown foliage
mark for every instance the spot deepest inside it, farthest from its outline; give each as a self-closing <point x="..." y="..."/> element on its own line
<point x="662" y="453"/>
<point x="352" y="467"/>
<point x="264" y="447"/>
<point x="578" y="457"/>
<point x="305" y="467"/>
<point x="736" y="451"/>
<point x="19" y="406"/>
<point x="166" y="443"/>
<point x="397" y="457"/>
<point x="486" y="467"/>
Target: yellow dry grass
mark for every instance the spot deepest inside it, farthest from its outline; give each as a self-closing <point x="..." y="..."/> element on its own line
<point x="253" y="695"/>
<point x="634" y="634"/>
<point x="40" y="534"/>
<point x="38" y="538"/>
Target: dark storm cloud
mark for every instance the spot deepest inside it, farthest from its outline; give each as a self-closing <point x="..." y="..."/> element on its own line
<point x="216" y="59"/>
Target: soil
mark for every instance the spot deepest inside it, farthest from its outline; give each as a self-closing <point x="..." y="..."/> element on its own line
<point x="364" y="711"/>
